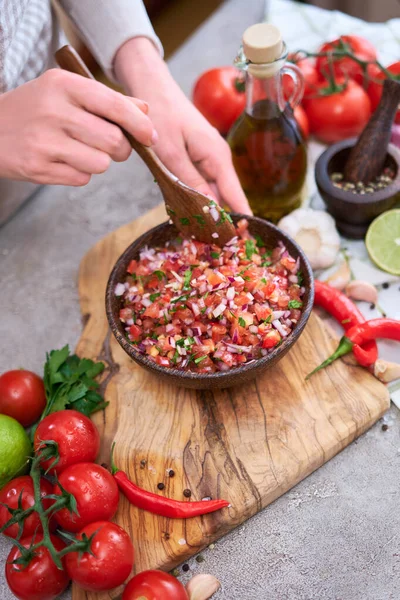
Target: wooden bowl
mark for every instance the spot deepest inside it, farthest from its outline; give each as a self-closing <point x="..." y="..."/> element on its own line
<point x="354" y="212"/>
<point x="157" y="236"/>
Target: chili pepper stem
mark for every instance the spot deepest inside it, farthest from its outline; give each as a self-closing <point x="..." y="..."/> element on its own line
<point x="345" y="346"/>
<point x="114" y="469"/>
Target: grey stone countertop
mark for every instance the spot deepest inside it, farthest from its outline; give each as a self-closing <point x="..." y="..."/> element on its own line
<point x="336" y="535"/>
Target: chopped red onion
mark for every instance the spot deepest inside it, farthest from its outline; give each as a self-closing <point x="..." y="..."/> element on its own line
<point x="119" y="289"/>
<point x="219" y="310"/>
<point x="230" y="294"/>
<point x="279" y="327"/>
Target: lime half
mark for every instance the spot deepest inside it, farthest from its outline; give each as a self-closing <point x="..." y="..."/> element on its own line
<point x="383" y="241"/>
<point x="15" y="449"/>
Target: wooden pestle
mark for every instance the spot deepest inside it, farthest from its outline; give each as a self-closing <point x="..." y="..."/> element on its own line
<point x="368" y="155"/>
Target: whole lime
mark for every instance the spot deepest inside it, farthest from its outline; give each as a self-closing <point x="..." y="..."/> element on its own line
<point x="15" y="449"/>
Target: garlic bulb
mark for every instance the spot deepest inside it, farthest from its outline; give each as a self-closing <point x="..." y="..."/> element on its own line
<point x="202" y="587"/>
<point x="362" y="290"/>
<point x="386" y="371"/>
<point x="316" y="234"/>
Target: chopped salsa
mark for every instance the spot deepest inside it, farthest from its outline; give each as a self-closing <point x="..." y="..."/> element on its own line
<point x="197" y="307"/>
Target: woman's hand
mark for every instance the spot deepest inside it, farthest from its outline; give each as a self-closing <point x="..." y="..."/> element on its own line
<point x="188" y="145"/>
<point x="53" y="129"/>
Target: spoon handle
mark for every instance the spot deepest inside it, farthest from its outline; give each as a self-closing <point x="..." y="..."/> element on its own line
<point x="69" y="60"/>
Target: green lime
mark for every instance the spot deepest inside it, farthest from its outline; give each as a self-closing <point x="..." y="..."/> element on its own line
<point x="15" y="449"/>
<point x="383" y="241"/>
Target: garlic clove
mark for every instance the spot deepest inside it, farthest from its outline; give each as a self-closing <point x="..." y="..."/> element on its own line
<point x="386" y="371"/>
<point x="341" y="277"/>
<point x="316" y="234"/>
<point x="202" y="586"/>
<point x="362" y="290"/>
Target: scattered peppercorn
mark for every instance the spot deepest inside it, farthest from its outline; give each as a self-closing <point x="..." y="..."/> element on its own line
<point x="187" y="493"/>
<point x="385" y="285"/>
<point x="175" y="573"/>
<point x="143" y="463"/>
<point x="160" y="485"/>
<point x="185" y="568"/>
<point x="200" y="558"/>
<point x="171" y="472"/>
<point x="385" y="427"/>
<point x="372" y="306"/>
<point x="166" y="535"/>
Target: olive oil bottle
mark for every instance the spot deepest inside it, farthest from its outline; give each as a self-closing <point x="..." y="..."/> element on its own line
<point x="268" y="150"/>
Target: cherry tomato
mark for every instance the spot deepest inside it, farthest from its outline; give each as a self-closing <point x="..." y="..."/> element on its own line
<point x="10" y="494"/>
<point x="346" y="66"/>
<point x="302" y="120"/>
<point x="22" y="396"/>
<point x="77" y="438"/>
<point x="96" y="495"/>
<point x="339" y="115"/>
<point x="41" y="579"/>
<point x="111" y="561"/>
<point x="375" y="85"/>
<point x="310" y="74"/>
<point x="219" y="95"/>
<point x="154" y="585"/>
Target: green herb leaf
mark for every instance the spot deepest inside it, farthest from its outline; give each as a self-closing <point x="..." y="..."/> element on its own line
<point x="154" y="296"/>
<point x="200" y="219"/>
<point x="250" y="248"/>
<point x="198" y="360"/>
<point x="215" y="254"/>
<point x="295" y="304"/>
<point x="259" y="241"/>
<point x="263" y="280"/>
<point x="180" y="299"/>
<point x="186" y="279"/>
<point x="159" y="275"/>
<point x="267" y="320"/>
<point x="242" y="322"/>
<point x="300" y="278"/>
<point x="184" y="221"/>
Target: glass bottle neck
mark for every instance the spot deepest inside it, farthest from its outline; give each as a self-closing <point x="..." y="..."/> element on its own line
<point x="264" y="96"/>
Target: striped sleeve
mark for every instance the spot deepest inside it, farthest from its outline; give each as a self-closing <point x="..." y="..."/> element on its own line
<point x="105" y="26"/>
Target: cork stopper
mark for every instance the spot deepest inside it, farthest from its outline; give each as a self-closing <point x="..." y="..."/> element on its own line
<point x="262" y="45"/>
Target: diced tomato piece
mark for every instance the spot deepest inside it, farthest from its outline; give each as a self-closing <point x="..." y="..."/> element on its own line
<point x="152" y="311"/>
<point x="142" y="269"/>
<point x="153" y="283"/>
<point x="218" y="332"/>
<point x="247" y="317"/>
<point x="289" y="263"/>
<point x="162" y="360"/>
<point x="268" y="288"/>
<point x="132" y="266"/>
<point x="283" y="301"/>
<point x="262" y="311"/>
<point x="241" y="299"/>
<point x="271" y="339"/>
<point x="135" y="333"/>
<point x="184" y="314"/>
<point x="227" y="358"/>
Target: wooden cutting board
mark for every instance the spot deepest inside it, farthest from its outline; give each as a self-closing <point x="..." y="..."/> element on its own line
<point x="248" y="444"/>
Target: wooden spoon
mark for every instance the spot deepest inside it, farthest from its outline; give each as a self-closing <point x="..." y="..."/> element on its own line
<point x="368" y="155"/>
<point x="194" y="214"/>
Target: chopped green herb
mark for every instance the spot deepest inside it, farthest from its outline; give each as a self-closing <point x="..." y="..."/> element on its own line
<point x="300" y="278"/>
<point x="203" y="310"/>
<point x="170" y="211"/>
<point x="198" y="360"/>
<point x="263" y="280"/>
<point x="242" y="322"/>
<point x="180" y="342"/>
<point x="206" y="295"/>
<point x="295" y="304"/>
<point x="186" y="279"/>
<point x="200" y="219"/>
<point x="184" y="221"/>
<point x="266" y="263"/>
<point x="159" y="274"/>
<point x="250" y="248"/>
<point x="180" y="299"/>
<point x="215" y="254"/>
<point x="154" y="296"/>
<point x="155" y="181"/>
<point x="268" y="319"/>
<point x="165" y="319"/>
<point x="178" y="240"/>
<point x="246" y="277"/>
<point x="175" y="357"/>
<point x="259" y="241"/>
<point x="212" y="203"/>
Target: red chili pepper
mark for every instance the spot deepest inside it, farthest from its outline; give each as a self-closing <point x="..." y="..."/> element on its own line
<point x="166" y="507"/>
<point x="347" y="314"/>
<point x="388" y="329"/>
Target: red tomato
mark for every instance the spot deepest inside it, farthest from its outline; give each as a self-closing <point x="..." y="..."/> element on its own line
<point x="41" y="579"/>
<point x="375" y="85"/>
<point x="340" y="115"/>
<point x="302" y="120"/>
<point x="347" y="67"/>
<point x="77" y="438"/>
<point x="22" y="396"/>
<point x="10" y="494"/>
<point x="136" y="332"/>
<point x="310" y="74"/>
<point x="154" y="585"/>
<point x="219" y="95"/>
<point x="111" y="561"/>
<point x="96" y="495"/>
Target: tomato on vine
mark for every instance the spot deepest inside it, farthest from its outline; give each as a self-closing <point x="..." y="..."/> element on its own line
<point x="77" y="438"/>
<point x="110" y="561"/>
<point x="375" y="85"/>
<point x="40" y="579"/>
<point x="22" y="396"/>
<point x="96" y="494"/>
<point x="20" y="490"/>
<point x="346" y="66"/>
<point x="154" y="585"/>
